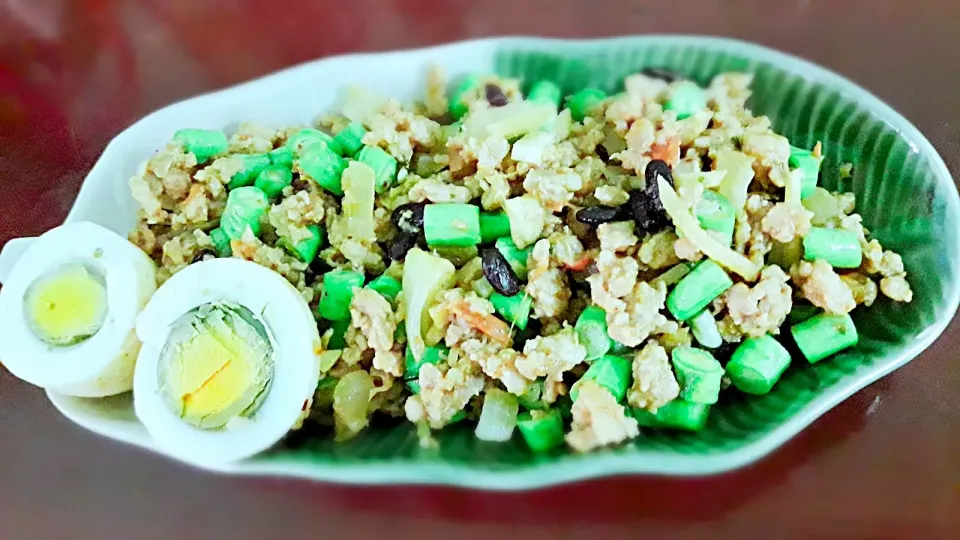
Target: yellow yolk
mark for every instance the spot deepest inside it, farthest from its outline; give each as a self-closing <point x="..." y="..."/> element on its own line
<point x="215" y="368"/>
<point x="66" y="306"/>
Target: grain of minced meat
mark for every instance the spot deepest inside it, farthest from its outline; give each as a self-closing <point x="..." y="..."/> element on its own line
<point x="521" y="282"/>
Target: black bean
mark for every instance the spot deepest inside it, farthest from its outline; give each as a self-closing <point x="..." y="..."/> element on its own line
<point x="595" y="215"/>
<point x="656" y="168"/>
<point x="495" y="96"/>
<point x="647" y="211"/>
<point x="498" y="272"/>
<point x="408" y="217"/>
<point x="401" y="244"/>
<point x="664" y="74"/>
<point x="602" y="152"/>
<point x="707" y="162"/>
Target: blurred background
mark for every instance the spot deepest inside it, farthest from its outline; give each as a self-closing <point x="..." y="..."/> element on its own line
<point x="73" y="73"/>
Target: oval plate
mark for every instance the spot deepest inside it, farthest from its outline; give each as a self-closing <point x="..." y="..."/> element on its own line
<point x="903" y="188"/>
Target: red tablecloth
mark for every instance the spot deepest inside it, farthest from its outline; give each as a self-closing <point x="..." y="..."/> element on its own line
<point x="885" y="464"/>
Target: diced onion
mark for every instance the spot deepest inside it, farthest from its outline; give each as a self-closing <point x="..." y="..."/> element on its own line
<point x="498" y="416"/>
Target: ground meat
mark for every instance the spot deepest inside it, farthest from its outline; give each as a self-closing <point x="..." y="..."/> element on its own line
<point x="610" y="195"/>
<point x="616" y="236"/>
<point x="218" y="174"/>
<point x="553" y="189"/>
<point x="496" y="362"/>
<point x="640" y="316"/>
<point x="566" y="248"/>
<point x="640" y="139"/>
<point x="438" y="192"/>
<point x="161" y="182"/>
<point x="495" y="190"/>
<point x="659" y="250"/>
<point x="399" y="131"/>
<point x="823" y="287"/>
<point x="761" y="309"/>
<point x="546" y="284"/>
<point x="455" y="326"/>
<point x="654" y="384"/>
<point x="372" y="315"/>
<point x="786" y="221"/>
<point x="749" y="237"/>
<point x="615" y="278"/>
<point x="252" y="138"/>
<point x="671" y="334"/>
<point x="436" y="103"/>
<point x="485" y="154"/>
<point x="443" y="394"/>
<point x="863" y="288"/>
<point x="249" y="247"/>
<point x="181" y="250"/>
<point x="294" y="213"/>
<point x="598" y="420"/>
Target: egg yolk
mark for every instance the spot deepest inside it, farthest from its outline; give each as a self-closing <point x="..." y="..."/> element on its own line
<point x="66" y="306"/>
<point x="216" y="365"/>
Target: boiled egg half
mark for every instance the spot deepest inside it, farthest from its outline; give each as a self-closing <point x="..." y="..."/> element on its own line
<point x="69" y="308"/>
<point x="229" y="362"/>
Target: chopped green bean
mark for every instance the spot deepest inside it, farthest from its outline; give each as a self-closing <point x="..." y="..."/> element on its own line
<point x="221" y="242"/>
<point x="338" y="286"/>
<point x="686" y="98"/>
<point x="202" y="143"/>
<point x="582" y="103"/>
<point x="801" y="312"/>
<point x="245" y="206"/>
<point x="431" y="355"/>
<point x="383" y="164"/>
<point x="281" y="157"/>
<point x="531" y="399"/>
<point x="715" y="213"/>
<point x="414" y="386"/>
<point x="493" y="225"/>
<point x="324" y="166"/>
<point x="809" y="167"/>
<point x="697" y="289"/>
<point x="273" y="180"/>
<point x="338" y="338"/>
<point x="591" y="328"/>
<point x="674" y="274"/>
<point x="306" y="249"/>
<point x="515" y="309"/>
<point x="349" y="140"/>
<point x="545" y="92"/>
<point x="678" y="414"/>
<point x="610" y="372"/>
<point x="823" y="335"/>
<point x="542" y="430"/>
<point x="307" y="137"/>
<point x="453" y="225"/>
<point x="457" y="107"/>
<point x="757" y="365"/>
<point x="705" y="329"/>
<point x="516" y="257"/>
<point x="387" y="286"/>
<point x="253" y="165"/>
<point x="698" y="374"/>
<point x="839" y="247"/>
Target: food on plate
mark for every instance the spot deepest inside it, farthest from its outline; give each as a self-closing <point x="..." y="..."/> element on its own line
<point x="562" y="266"/>
<point x="69" y="307"/>
<point x="229" y="362"/>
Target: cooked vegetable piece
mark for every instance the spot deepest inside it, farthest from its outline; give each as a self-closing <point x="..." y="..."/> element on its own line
<point x="809" y="166"/>
<point x="338" y="286"/>
<point x="351" y="404"/>
<point x="253" y="166"/>
<point x="705" y="329"/>
<point x="387" y="286"/>
<point x="349" y="140"/>
<point x="282" y="157"/>
<point x="698" y="373"/>
<point x="823" y="335"/>
<point x="678" y="414"/>
<point x="306" y="249"/>
<point x="801" y="312"/>
<point x="715" y="213"/>
<point x="610" y="372"/>
<point x="493" y="225"/>
<point x="221" y="242"/>
<point x="245" y="206"/>
<point x="457" y="107"/>
<point x="839" y="247"/>
<point x="324" y="166"/>
<point x="526" y="219"/>
<point x="273" y="179"/>
<point x="431" y="355"/>
<point x="299" y="142"/>
<point x="545" y="92"/>
<point x="498" y="417"/>
<point x="202" y="143"/>
<point x="424" y="275"/>
<point x="531" y="398"/>
<point x="383" y="164"/>
<point x="757" y="364"/>
<point x="591" y="329"/>
<point x="338" y="338"/>
<point x="697" y="289"/>
<point x="515" y="309"/>
<point x="583" y="102"/>
<point x="542" y="430"/>
<point x="452" y="224"/>
<point x="674" y="274"/>
<point x="358" y="200"/>
<point x="686" y="98"/>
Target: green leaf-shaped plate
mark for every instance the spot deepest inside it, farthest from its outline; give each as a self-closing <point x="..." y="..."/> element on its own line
<point x="903" y="190"/>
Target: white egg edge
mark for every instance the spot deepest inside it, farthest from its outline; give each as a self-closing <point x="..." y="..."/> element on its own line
<point x="102" y="365"/>
<point x="293" y="333"/>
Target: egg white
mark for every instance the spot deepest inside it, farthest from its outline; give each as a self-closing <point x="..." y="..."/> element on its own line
<point x="103" y="364"/>
<point x="291" y="330"/>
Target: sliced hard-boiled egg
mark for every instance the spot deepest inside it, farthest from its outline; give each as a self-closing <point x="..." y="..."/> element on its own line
<point x="69" y="308"/>
<point x="229" y="362"/>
